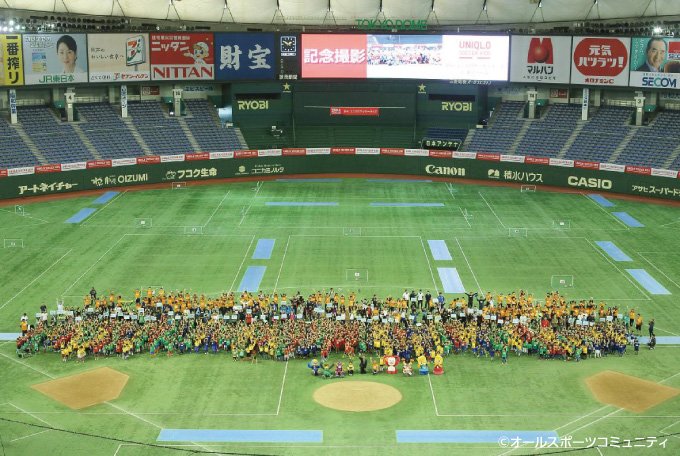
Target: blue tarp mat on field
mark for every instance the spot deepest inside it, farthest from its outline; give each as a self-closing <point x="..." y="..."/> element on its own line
<point x="216" y="435"/>
<point x="663" y="340"/>
<point x="648" y="282"/>
<point x="106" y="197"/>
<point x="613" y="251"/>
<point x="252" y="278"/>
<point x="628" y="220"/>
<point x="469" y="436"/>
<point x="601" y="200"/>
<point x="439" y="250"/>
<point x="451" y="280"/>
<point x="263" y="249"/>
<point x="80" y="216"/>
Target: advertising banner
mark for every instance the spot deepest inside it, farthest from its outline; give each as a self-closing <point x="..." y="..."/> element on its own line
<point x="182" y="56"/>
<point x="655" y="62"/>
<point x="354" y="111"/>
<point x="540" y="59"/>
<point x="244" y="56"/>
<point x="600" y="61"/>
<point x="333" y="56"/>
<point x="447" y="57"/>
<point x="118" y="57"/>
<point x="55" y="59"/>
<point x="10" y="60"/>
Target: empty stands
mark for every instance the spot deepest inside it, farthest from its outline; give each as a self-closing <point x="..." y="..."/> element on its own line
<point x="14" y="152"/>
<point x="602" y="135"/>
<point x="501" y="135"/>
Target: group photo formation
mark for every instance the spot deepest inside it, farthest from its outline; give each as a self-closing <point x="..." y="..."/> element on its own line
<point x="296" y="227"/>
<point x="322" y="324"/>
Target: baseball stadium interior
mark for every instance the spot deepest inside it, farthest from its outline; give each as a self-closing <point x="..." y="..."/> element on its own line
<point x="290" y="188"/>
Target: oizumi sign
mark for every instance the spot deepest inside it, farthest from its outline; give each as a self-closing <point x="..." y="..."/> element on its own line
<point x="389" y="24"/>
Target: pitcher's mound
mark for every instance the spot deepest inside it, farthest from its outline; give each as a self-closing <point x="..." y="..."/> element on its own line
<point x="86" y="389"/>
<point x="357" y="396"/>
<point x="631" y="393"/>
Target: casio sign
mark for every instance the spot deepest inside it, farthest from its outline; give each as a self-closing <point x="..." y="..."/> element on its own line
<point x="592" y="182"/>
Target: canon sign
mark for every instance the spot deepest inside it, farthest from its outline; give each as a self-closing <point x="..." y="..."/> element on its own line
<point x="590" y="182"/>
<point x="445" y="170"/>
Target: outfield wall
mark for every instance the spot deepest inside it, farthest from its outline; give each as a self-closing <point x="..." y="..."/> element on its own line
<point x="586" y="176"/>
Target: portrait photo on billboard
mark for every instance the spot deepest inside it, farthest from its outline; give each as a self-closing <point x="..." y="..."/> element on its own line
<point x="55" y="59"/>
<point x="655" y="62"/>
<point x="600" y="61"/>
<point x="118" y="57"/>
<point x="544" y="59"/>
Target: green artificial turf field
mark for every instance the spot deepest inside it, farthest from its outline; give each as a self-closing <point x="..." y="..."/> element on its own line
<point x="202" y="238"/>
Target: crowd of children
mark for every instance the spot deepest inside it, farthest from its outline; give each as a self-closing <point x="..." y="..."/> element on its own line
<point x="279" y="327"/>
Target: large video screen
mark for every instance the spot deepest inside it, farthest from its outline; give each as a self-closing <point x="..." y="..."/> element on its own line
<point x="406" y="56"/>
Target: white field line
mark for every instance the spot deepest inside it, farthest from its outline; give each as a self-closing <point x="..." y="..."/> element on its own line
<point x="627" y="228"/>
<point x="468" y="265"/>
<point x="29" y="366"/>
<point x="30" y="414"/>
<point x="25" y="216"/>
<point x="667" y="332"/>
<point x="104" y="207"/>
<point x="94" y="264"/>
<point x="278" y="276"/>
<point x="242" y="262"/>
<point x="30" y="435"/>
<point x="33" y="281"/>
<point x="573" y="421"/>
<point x="243" y="217"/>
<point x="283" y="383"/>
<point x="448" y="187"/>
<point x="434" y="401"/>
<point x="429" y="265"/>
<point x="133" y="415"/>
<point x="465" y="217"/>
<point x="494" y="212"/>
<point x="664" y="274"/>
<point x="671" y="223"/>
<point x="216" y="209"/>
<point x="617" y="268"/>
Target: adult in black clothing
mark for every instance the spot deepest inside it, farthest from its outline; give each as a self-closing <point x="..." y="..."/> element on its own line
<point x="651" y="327"/>
<point x="481" y="301"/>
<point x="471" y="297"/>
<point x="362" y="363"/>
